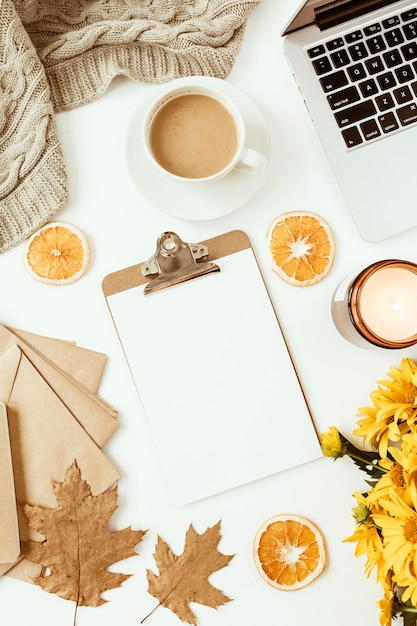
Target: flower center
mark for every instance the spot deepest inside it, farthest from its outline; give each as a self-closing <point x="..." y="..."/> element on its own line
<point x="410" y="529"/>
<point x="410" y="393"/>
<point x="397" y="475"/>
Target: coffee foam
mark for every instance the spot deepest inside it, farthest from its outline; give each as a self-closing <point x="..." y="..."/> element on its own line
<point x="193" y="136"/>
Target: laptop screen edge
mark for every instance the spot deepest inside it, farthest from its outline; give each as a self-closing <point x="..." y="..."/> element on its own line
<point x="307" y="12"/>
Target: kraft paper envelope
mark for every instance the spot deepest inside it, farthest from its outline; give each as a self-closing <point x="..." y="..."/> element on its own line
<point x="85" y="365"/>
<point x="84" y="368"/>
<point x="9" y="530"/>
<point x="45" y="438"/>
<point x="93" y="414"/>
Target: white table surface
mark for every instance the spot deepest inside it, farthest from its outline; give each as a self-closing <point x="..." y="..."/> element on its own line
<point x="337" y="377"/>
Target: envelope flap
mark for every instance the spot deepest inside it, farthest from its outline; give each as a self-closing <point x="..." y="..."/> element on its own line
<point x="9" y="364"/>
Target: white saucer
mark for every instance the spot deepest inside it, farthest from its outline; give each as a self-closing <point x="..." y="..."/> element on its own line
<point x="205" y="201"/>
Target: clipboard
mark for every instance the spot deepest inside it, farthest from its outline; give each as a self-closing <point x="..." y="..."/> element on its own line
<point x="211" y="366"/>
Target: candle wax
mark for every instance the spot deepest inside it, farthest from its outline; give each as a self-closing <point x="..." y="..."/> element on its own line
<point x="388" y="303"/>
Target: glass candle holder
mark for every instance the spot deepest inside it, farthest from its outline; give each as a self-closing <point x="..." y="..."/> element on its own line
<point x="378" y="307"/>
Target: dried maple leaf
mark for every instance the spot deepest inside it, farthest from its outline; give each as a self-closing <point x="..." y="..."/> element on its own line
<point x="79" y="546"/>
<point x="184" y="579"/>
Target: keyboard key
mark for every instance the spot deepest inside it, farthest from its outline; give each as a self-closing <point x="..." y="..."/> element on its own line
<point x="404" y="73"/>
<point x="370" y="130"/>
<point x="358" y="51"/>
<point x="375" y="65"/>
<point x="409" y="15"/>
<point x="384" y="102"/>
<point x="368" y="88"/>
<point x="414" y="88"/>
<point x="387" y="80"/>
<point x="388" y="122"/>
<point x="316" y="51"/>
<point x="410" y="51"/>
<point x="376" y="44"/>
<point x="410" y="31"/>
<point x="391" y="21"/>
<point x="355" y="36"/>
<point x="343" y="98"/>
<point x="394" y="37"/>
<point x="372" y="29"/>
<point x="340" y="58"/>
<point x="392" y="58"/>
<point x="334" y="43"/>
<point x="356" y="72"/>
<point x="352" y="137"/>
<point x="356" y="113"/>
<point x="403" y="94"/>
<point x="408" y="114"/>
<point x="322" y="65"/>
<point x="334" y="81"/>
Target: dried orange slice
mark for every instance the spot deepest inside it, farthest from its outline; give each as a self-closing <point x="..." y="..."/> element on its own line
<point x="57" y="254"/>
<point x="289" y="552"/>
<point x="303" y="247"/>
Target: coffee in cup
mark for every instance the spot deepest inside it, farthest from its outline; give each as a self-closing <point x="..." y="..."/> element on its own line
<point x="197" y="134"/>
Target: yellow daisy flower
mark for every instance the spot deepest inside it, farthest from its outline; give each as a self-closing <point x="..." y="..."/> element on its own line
<point x="394" y="408"/>
<point x="380" y="427"/>
<point x="385" y="605"/>
<point x="331" y="444"/>
<point x="386" y="515"/>
<point x="367" y="537"/>
<point x="408" y="582"/>
<point x="401" y="471"/>
<point x="375" y="432"/>
<point x="404" y="382"/>
<point x="398" y="524"/>
<point x="409" y="444"/>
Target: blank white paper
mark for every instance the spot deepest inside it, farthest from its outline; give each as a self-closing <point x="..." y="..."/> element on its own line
<point x="216" y="380"/>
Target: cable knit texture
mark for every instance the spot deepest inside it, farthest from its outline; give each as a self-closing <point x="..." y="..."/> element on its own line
<point x="33" y="182"/>
<point x="56" y="55"/>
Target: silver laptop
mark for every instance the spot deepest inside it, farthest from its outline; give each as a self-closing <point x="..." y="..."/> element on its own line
<point x="355" y="62"/>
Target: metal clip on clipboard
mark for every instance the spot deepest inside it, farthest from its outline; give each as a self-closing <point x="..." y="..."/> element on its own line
<point x="175" y="262"/>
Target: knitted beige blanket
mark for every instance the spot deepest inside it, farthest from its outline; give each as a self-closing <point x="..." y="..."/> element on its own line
<point x="56" y="55"/>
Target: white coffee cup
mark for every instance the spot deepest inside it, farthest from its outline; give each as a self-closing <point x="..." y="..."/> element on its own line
<point x="196" y="134"/>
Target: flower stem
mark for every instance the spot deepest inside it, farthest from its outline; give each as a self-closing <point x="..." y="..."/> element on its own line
<point x="367" y="461"/>
<point x="358" y="457"/>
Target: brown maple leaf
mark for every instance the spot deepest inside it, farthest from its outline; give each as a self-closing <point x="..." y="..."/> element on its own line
<point x="184" y="579"/>
<point x="79" y="546"/>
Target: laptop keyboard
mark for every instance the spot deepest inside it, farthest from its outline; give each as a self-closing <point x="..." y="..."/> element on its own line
<point x="369" y="77"/>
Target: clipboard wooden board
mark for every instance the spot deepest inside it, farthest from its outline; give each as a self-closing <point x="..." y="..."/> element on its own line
<point x="211" y="365"/>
